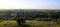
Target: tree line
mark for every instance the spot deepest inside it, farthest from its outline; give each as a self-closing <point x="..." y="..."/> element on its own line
<point x="26" y="15"/>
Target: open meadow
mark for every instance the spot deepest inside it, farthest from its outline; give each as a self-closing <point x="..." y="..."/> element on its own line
<point x="29" y="23"/>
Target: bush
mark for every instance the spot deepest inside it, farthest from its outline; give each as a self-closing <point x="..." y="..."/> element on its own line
<point x="39" y="19"/>
<point x="58" y="21"/>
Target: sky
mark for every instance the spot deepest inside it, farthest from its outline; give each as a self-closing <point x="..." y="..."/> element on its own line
<point x="29" y="4"/>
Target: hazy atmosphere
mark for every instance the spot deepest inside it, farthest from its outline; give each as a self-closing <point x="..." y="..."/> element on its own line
<point x="29" y="13"/>
<point x="29" y="4"/>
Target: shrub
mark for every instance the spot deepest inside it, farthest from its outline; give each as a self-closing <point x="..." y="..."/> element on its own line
<point x="39" y="19"/>
<point x="58" y="21"/>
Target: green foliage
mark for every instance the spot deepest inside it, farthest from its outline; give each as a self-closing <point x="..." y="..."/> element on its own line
<point x="15" y="18"/>
<point x="39" y="19"/>
<point x="58" y="21"/>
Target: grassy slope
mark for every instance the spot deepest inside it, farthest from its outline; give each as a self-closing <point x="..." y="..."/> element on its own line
<point x="34" y="23"/>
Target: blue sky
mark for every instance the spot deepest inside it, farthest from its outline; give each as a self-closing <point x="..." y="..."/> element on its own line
<point x="29" y="4"/>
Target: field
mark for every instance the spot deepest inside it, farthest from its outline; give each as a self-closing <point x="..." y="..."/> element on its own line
<point x="29" y="23"/>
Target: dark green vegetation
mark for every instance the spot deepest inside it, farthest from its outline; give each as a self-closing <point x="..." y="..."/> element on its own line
<point x="27" y="14"/>
<point x="39" y="16"/>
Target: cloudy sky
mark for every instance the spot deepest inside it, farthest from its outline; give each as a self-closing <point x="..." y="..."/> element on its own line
<point x="29" y="4"/>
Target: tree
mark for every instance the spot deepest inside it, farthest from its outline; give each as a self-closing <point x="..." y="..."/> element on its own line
<point x="1" y="18"/>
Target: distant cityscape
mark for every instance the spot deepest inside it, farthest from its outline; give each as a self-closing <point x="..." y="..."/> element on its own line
<point x="26" y="13"/>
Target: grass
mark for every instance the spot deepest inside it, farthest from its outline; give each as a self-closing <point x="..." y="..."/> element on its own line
<point x="6" y="23"/>
<point x="29" y="22"/>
